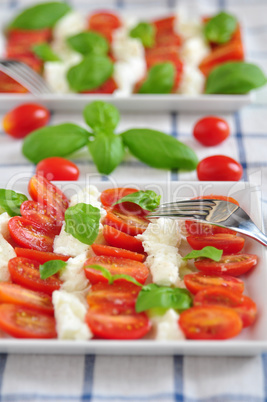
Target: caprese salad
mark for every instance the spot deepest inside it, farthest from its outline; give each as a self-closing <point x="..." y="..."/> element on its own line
<point x="95" y="267"/>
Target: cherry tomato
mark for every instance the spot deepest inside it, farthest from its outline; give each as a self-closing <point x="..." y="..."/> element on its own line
<point x="112" y="195"/>
<point x="15" y="294"/>
<point x="25" y="272"/>
<point x="234" y="265"/>
<point x="104" y="19"/>
<point x="30" y="235"/>
<point x="9" y="85"/>
<point x="211" y="130"/>
<point x="131" y="224"/>
<point x="116" y="238"/>
<point x="40" y="256"/>
<point x="168" y="39"/>
<point x="219" y="168"/>
<point x="29" y="37"/>
<point x="115" y="266"/>
<point x="202" y="229"/>
<point x="210" y="322"/>
<point x="165" y="24"/>
<point x="101" y="249"/>
<point x="247" y="311"/>
<point x="24" y="119"/>
<point x="199" y="281"/>
<point x="230" y="244"/>
<point x="57" y="168"/>
<point x="22" y="322"/>
<point x="28" y="58"/>
<point x="117" y="325"/>
<point x="108" y="87"/>
<point x="217" y="197"/>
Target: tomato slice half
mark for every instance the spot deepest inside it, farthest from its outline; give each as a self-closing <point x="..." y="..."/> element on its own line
<point x="199" y="281"/>
<point x="101" y="249"/>
<point x="40" y="256"/>
<point x="210" y="322"/>
<point x="110" y="196"/>
<point x="116" y="238"/>
<point x="230" y="244"/>
<point x="115" y="266"/>
<point x="233" y="265"/>
<point x="196" y="228"/>
<point x="130" y="224"/>
<point x="22" y="322"/>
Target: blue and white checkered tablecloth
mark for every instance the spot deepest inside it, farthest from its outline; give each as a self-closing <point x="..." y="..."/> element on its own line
<point x="152" y="378"/>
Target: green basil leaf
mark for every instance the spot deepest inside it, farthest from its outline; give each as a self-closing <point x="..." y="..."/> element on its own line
<point x="164" y="297"/>
<point x="10" y="202"/>
<point x="59" y="140"/>
<point x="50" y="268"/>
<point x="145" y="32"/>
<point x="89" y="43"/>
<point x="160" y="79"/>
<point x="82" y="222"/>
<point x="45" y="52"/>
<point x="148" y="199"/>
<point x="92" y="72"/>
<point x="220" y="28"/>
<point x="207" y="252"/>
<point x="159" y="150"/>
<point x="107" y="152"/>
<point x="234" y="78"/>
<point x="111" y="278"/>
<point x="101" y="116"/>
<point x="43" y="15"/>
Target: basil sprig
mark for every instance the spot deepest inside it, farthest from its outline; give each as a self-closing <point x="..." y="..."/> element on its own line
<point x="160" y="79"/>
<point x="111" y="278"/>
<point x="220" y="28"/>
<point x="148" y="200"/>
<point x="152" y="296"/>
<point x="90" y="73"/>
<point x="101" y="116"/>
<point x="50" y="268"/>
<point x="43" y="15"/>
<point x="207" y="252"/>
<point x="82" y="222"/>
<point x="145" y="32"/>
<point x="89" y="43"/>
<point x="60" y="140"/>
<point x="234" y="78"/>
<point x="45" y="52"/>
<point x="107" y="151"/>
<point x="10" y="202"/>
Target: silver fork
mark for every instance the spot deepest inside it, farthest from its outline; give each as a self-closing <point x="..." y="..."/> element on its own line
<point x="214" y="212"/>
<point x="25" y="76"/>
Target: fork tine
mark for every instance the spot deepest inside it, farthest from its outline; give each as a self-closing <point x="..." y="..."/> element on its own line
<point x="24" y="73"/>
<point x="19" y="77"/>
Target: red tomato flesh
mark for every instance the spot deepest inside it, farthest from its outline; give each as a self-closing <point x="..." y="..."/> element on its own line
<point x="57" y="168"/>
<point x="199" y="281"/>
<point x="202" y="229"/>
<point x="100" y="249"/>
<point x="233" y="265"/>
<point x="116" y="238"/>
<point x="9" y="85"/>
<point x="40" y="256"/>
<point x="219" y="168"/>
<point x="230" y="244"/>
<point x="211" y="130"/>
<point x="130" y="224"/>
<point x="112" y="195"/>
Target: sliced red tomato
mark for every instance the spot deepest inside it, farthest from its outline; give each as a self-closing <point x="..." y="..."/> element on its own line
<point x="230" y="244"/>
<point x="130" y="224"/>
<point x="40" y="256"/>
<point x="29" y="37"/>
<point x="115" y="266"/>
<point x="101" y="249"/>
<point x="247" y="311"/>
<point x="119" y="296"/>
<point x="217" y="197"/>
<point x="165" y="24"/>
<point x="199" y="281"/>
<point x="112" y="195"/>
<point x="168" y="39"/>
<point x="15" y="294"/>
<point x="46" y="217"/>
<point x="233" y="265"/>
<point x="28" y="58"/>
<point x="30" y="235"/>
<point x="22" y="322"/>
<point x="210" y="322"/>
<point x="116" y="238"/>
<point x="203" y="229"/>
<point x="104" y="19"/>
<point x="113" y="325"/>
<point x="25" y="272"/>
<point x="57" y="168"/>
<point x="108" y="87"/>
<point x="9" y="85"/>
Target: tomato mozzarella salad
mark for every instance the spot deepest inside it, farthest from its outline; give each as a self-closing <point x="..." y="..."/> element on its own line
<point x="94" y="266"/>
<point x="120" y="55"/>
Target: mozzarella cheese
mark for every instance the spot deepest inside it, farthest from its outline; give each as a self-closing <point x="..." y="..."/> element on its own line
<point x="70" y="24"/>
<point x="186" y="26"/>
<point x="166" y="327"/>
<point x="124" y="47"/>
<point x="192" y="82"/>
<point x="194" y="50"/>
<point x="89" y="195"/>
<point x="73" y="277"/>
<point x="6" y="253"/>
<point x="70" y="316"/>
<point x="4" y="231"/>
<point x="55" y="76"/>
<point x="67" y="244"/>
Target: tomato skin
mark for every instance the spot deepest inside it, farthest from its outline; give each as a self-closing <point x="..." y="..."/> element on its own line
<point x="101" y="249"/>
<point x="200" y="281"/>
<point x="104" y="19"/>
<point x="219" y="168"/>
<point x="15" y="294"/>
<point x="9" y="85"/>
<point x="130" y="224"/>
<point x="40" y="256"/>
<point x="25" y="272"/>
<point x="217" y="197"/>
<point x="211" y="130"/>
<point x="233" y="265"/>
<point x="116" y="238"/>
<point x="22" y="322"/>
<point x="29" y="37"/>
<point x="210" y="322"/>
<point x="24" y="119"/>
<point x="247" y="311"/>
<point x="230" y="244"/>
<point x="30" y="235"/>
<point x="164" y="25"/>
<point x="57" y="168"/>
<point x="203" y="229"/>
<point x="108" y="87"/>
<point x="115" y="266"/>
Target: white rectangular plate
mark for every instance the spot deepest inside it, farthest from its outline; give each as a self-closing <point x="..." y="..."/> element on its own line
<point x="252" y="340"/>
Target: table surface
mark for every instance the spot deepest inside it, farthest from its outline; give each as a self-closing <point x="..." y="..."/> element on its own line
<point x="152" y="378"/>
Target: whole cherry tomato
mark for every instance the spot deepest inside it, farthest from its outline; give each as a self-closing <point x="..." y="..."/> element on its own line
<point x="57" y="168"/>
<point x="219" y="168"/>
<point x="211" y="130"/>
<point x="24" y="119"/>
